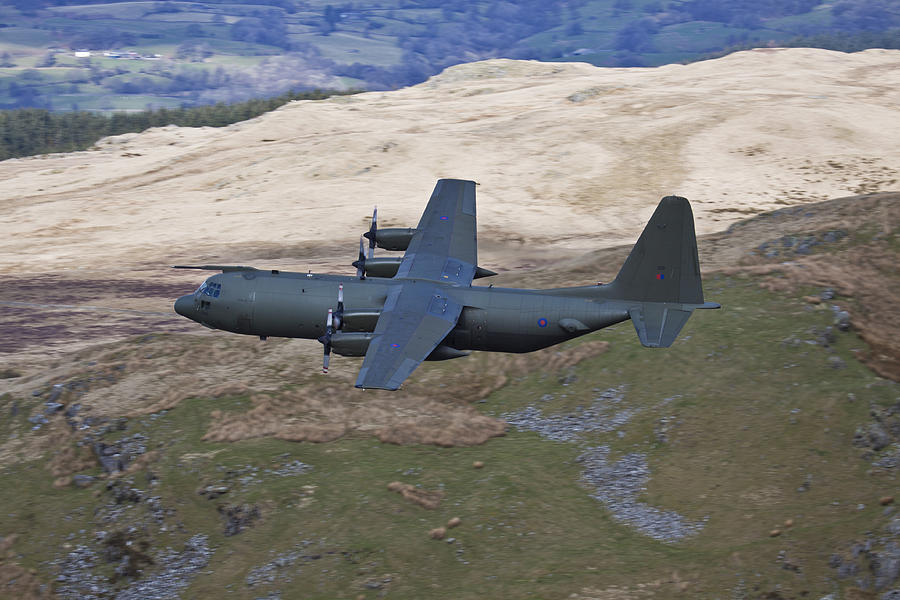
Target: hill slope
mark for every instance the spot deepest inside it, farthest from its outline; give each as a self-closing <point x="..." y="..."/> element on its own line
<point x="789" y="445"/>
<point x="141" y="455"/>
<point x="569" y="157"/>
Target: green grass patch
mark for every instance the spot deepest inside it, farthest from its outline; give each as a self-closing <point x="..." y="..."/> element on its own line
<point x="350" y="48"/>
<point x="758" y="430"/>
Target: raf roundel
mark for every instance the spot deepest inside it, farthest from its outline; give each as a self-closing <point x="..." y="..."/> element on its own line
<point x="542" y="322"/>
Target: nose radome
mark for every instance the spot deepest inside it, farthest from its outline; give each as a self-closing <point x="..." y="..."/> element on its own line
<point x="184" y="306"/>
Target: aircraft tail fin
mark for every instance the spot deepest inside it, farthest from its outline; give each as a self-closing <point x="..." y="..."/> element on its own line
<point x="661" y="277"/>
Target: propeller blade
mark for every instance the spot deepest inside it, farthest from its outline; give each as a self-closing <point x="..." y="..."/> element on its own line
<point x="360" y="262"/>
<point x="326" y="341"/>
<point x="339" y="313"/>
<point x="373" y="232"/>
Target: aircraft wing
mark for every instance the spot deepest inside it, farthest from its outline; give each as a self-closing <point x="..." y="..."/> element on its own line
<point x="444" y="247"/>
<point x="417" y="316"/>
<point x="418" y="313"/>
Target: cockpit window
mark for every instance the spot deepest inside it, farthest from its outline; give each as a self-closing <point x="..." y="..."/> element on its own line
<point x="209" y="289"/>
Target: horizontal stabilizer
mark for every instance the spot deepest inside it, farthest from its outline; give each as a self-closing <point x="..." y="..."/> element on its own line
<point x="657" y="325"/>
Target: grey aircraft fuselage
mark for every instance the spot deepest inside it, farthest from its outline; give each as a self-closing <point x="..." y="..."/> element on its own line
<point x="398" y="312"/>
<point x="288" y="304"/>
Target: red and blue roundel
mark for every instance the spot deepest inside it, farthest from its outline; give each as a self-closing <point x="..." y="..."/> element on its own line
<point x="542" y="322"/>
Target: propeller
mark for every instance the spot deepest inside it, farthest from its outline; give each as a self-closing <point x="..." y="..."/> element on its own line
<point x="326" y="341"/>
<point x="360" y="263"/>
<point x="332" y="324"/>
<point x="372" y="233"/>
<point x="339" y="313"/>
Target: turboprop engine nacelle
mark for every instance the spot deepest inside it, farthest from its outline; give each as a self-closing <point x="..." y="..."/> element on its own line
<point x="392" y="238"/>
<point x="354" y="343"/>
<point x="382" y="266"/>
<point x="360" y="319"/>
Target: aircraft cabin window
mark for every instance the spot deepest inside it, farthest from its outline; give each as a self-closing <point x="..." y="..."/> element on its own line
<point x="210" y="289"/>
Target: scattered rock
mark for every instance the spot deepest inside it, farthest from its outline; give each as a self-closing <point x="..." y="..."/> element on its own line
<point x="123" y="493"/>
<point x="842" y="320"/>
<point x="894" y="527"/>
<point x="603" y="415"/>
<point x="292" y="468"/>
<point x="116" y="457"/>
<point x="885" y="565"/>
<point x="55" y="393"/>
<point x="213" y="491"/>
<point x="176" y="571"/>
<point x="836" y="362"/>
<point x="83" y="481"/>
<point x="874" y="436"/>
<point x="239" y="517"/>
<point x="875" y="563"/>
<point x="618" y="486"/>
<point x="130" y="554"/>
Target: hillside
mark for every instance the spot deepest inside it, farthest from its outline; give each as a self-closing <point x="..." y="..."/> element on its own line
<point x="756" y="458"/>
<point x="569" y="158"/>
<point x="135" y="54"/>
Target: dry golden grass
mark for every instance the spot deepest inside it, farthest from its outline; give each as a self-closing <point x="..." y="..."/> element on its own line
<point x="146" y="375"/>
<point x="424" y="498"/>
<point x="318" y="412"/>
<point x="862" y="274"/>
<point x="70" y="459"/>
<point x="137" y="465"/>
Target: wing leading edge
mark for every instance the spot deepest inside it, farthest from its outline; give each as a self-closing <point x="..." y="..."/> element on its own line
<point x="418" y="313"/>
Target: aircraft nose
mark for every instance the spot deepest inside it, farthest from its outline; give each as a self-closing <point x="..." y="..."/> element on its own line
<point x="184" y="306"/>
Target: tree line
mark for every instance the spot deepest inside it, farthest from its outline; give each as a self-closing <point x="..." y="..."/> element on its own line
<point x="30" y="131"/>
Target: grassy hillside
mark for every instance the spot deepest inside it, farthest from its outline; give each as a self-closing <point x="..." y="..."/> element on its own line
<point x="190" y="53"/>
<point x="753" y="459"/>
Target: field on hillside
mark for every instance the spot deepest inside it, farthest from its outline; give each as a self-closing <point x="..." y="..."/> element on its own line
<point x="142" y="455"/>
<point x="199" y="53"/>
<point x="753" y="459"/>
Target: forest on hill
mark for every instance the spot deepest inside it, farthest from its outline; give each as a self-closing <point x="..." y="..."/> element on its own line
<point x="70" y="55"/>
<point x="30" y="131"/>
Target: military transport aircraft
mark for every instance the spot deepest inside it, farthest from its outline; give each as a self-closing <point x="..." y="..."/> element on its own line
<point x="399" y="311"/>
